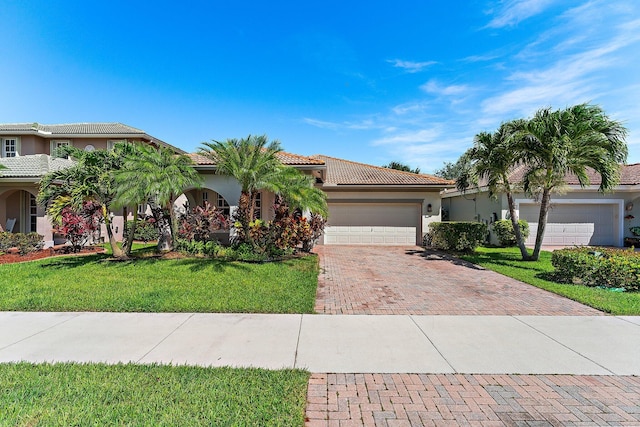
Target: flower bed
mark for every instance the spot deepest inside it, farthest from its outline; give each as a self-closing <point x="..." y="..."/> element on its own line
<point x="12" y="256"/>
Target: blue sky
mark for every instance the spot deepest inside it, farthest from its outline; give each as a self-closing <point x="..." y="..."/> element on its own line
<point x="367" y="81"/>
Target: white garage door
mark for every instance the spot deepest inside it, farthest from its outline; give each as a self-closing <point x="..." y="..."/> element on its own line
<point x="373" y="224"/>
<point x="573" y="224"/>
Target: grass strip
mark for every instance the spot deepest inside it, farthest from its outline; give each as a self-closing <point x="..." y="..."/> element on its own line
<point x="149" y="395"/>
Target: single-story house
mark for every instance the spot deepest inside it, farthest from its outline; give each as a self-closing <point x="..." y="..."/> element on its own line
<point x="578" y="216"/>
<point x="368" y="205"/>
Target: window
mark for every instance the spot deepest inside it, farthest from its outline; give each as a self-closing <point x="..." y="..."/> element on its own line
<point x="10" y="147"/>
<point x="222" y="204"/>
<point x="112" y="142"/>
<point x="205" y="198"/>
<point x="57" y="144"/>
<point x="33" y="213"/>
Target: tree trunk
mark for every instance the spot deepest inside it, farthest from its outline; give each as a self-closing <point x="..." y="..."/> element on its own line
<point x="164" y="228"/>
<point x="128" y="244"/>
<point x="542" y="222"/>
<point x="516" y="228"/>
<point x="115" y="249"/>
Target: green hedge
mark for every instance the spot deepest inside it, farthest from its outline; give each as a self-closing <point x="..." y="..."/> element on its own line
<point x="456" y="236"/>
<point x="145" y="231"/>
<point x="608" y="267"/>
<point x="504" y="231"/>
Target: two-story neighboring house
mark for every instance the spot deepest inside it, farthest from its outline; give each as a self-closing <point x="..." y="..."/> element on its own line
<point x="26" y="153"/>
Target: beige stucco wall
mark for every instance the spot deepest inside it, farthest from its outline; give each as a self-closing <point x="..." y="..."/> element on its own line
<point x="33" y="144"/>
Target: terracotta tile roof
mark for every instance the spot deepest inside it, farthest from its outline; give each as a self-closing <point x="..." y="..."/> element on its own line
<point x="345" y="172"/>
<point x="286" y="158"/>
<point x="629" y="175"/>
<point x="35" y="165"/>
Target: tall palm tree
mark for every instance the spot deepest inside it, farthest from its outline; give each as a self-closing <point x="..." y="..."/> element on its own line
<point x="91" y="178"/>
<point x="491" y="160"/>
<point x="157" y="175"/>
<point x="253" y="162"/>
<point x="572" y="140"/>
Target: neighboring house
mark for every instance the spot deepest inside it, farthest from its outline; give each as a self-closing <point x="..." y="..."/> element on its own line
<point x="26" y="152"/>
<point x="368" y="205"/>
<point x="579" y="216"/>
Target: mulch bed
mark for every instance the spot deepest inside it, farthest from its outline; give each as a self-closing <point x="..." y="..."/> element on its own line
<point x="12" y="256"/>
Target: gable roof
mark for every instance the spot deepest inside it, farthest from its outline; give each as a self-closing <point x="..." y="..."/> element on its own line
<point x="286" y="158"/>
<point x="345" y="172"/>
<point x="32" y="166"/>
<point x="79" y="130"/>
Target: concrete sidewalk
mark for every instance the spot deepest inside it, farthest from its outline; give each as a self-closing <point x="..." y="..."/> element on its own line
<point x="580" y="345"/>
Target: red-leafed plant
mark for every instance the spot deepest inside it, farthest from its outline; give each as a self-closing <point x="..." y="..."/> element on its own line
<point x="201" y="222"/>
<point x="78" y="227"/>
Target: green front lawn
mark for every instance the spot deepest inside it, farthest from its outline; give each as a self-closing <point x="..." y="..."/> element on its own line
<point x="149" y="395"/>
<point x="507" y="261"/>
<point x="94" y="283"/>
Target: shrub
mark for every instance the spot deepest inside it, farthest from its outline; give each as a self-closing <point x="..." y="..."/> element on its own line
<point x="504" y="231"/>
<point x="608" y="267"/>
<point x="201" y="222"/>
<point x="456" y="236"/>
<point x="27" y="243"/>
<point x="145" y="231"/>
<point x="195" y="247"/>
<point x="77" y="227"/>
<point x="6" y="241"/>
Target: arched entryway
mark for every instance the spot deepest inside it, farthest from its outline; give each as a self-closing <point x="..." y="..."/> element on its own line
<point x="21" y="206"/>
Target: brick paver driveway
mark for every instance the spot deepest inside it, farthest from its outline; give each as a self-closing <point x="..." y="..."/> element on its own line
<point x="406" y="280"/>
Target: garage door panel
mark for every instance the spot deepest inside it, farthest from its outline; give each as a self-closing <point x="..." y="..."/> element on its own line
<point x="573" y="224"/>
<point x="373" y="224"/>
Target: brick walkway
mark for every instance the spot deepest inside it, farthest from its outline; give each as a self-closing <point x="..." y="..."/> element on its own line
<point x="394" y="400"/>
<point x="403" y="280"/>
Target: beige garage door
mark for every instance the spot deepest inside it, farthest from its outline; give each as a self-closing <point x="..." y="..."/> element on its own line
<point x="573" y="224"/>
<point x="373" y="224"/>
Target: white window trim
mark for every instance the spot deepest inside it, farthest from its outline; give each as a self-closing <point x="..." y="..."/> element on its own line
<point x="112" y="142"/>
<point x="13" y="138"/>
<point x="55" y="143"/>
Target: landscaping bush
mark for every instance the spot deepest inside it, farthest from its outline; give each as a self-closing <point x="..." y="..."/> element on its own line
<point x="504" y="231"/>
<point x="456" y="236"/>
<point x="210" y="248"/>
<point x="6" y="241"/>
<point x="27" y="243"/>
<point x="611" y="268"/>
<point x="145" y="231"/>
<point x="201" y="222"/>
<point x="78" y="227"/>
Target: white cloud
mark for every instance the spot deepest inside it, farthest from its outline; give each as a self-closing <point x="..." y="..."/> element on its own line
<point x="411" y="66"/>
<point x="321" y="123"/>
<point x="410" y="137"/>
<point x="434" y="87"/>
<point x="514" y="11"/>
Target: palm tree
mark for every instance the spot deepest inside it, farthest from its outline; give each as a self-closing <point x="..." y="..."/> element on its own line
<point x="572" y="140"/>
<point x="492" y="159"/>
<point x="159" y="176"/>
<point x="91" y="178"/>
<point x="253" y="162"/>
<point x="401" y="167"/>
